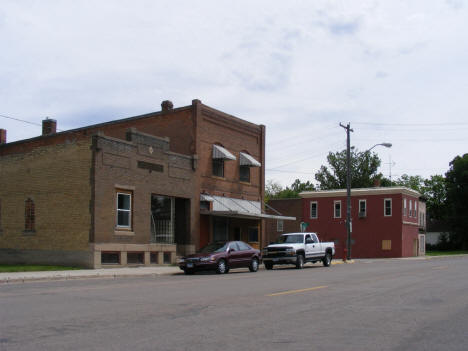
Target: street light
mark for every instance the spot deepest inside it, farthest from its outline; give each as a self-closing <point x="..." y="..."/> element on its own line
<point x="348" y="186"/>
<point x="381" y="144"/>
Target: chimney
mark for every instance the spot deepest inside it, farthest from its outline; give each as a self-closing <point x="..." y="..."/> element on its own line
<point x="377" y="182"/>
<point x="2" y="136"/>
<point x="167" y="105"/>
<point x="49" y="126"/>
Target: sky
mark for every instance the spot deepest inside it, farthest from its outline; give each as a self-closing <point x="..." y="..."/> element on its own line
<point x="397" y="71"/>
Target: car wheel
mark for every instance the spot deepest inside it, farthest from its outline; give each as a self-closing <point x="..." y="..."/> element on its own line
<point x="268" y="265"/>
<point x="221" y="268"/>
<point x="327" y="259"/>
<point x="299" y="262"/>
<point x="253" y="265"/>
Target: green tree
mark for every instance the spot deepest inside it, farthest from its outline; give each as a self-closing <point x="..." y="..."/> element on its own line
<point x="434" y="191"/>
<point x="412" y="182"/>
<point x="364" y="166"/>
<point x="457" y="204"/>
<point x="274" y="190"/>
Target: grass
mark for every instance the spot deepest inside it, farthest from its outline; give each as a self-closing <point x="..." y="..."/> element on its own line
<point x="444" y="253"/>
<point x="32" y="268"/>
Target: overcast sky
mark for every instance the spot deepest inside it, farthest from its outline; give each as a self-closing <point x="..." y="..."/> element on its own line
<point x="396" y="70"/>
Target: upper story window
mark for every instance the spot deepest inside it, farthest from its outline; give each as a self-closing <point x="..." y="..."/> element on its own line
<point x="280" y="225"/>
<point x="337" y="209"/>
<point x="245" y="162"/>
<point x="404" y="207"/>
<point x="313" y="209"/>
<point x="124" y="209"/>
<point x="29" y="216"/>
<point x="410" y="208"/>
<point x="387" y="207"/>
<point x="362" y="208"/>
<point x="415" y="209"/>
<point x="220" y="154"/>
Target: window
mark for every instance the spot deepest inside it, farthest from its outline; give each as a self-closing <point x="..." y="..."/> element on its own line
<point x="279" y="225"/>
<point x="362" y="208"/>
<point x="124" y="210"/>
<point x="29" y="216"/>
<point x="410" y="208"/>
<point x="404" y="207"/>
<point x="313" y="209"/>
<point x="253" y="234"/>
<point x="218" y="167"/>
<point x="415" y="214"/>
<point x="337" y="207"/>
<point x="243" y="246"/>
<point x="110" y="257"/>
<point x="244" y="174"/>
<point x="162" y="219"/>
<point x="386" y="245"/>
<point x="237" y="233"/>
<point x="135" y="257"/>
<point x="387" y="207"/>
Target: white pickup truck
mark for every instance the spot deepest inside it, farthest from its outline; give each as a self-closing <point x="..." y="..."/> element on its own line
<point x="298" y="248"/>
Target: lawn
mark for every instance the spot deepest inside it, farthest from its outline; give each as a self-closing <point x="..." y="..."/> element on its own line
<point x="32" y="268"/>
<point x="443" y="253"/>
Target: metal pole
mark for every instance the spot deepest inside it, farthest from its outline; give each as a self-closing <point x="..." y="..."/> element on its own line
<point x="348" y="190"/>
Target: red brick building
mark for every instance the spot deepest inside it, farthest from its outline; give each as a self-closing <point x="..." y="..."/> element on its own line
<point x="386" y="222"/>
<point x="139" y="190"/>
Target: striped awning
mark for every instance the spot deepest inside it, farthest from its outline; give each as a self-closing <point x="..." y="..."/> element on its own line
<point x="247" y="160"/>
<point x="220" y="152"/>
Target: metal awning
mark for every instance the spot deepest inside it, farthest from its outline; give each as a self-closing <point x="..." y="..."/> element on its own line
<point x="245" y="215"/>
<point x="220" y="152"/>
<point x="247" y="160"/>
<point x="237" y="208"/>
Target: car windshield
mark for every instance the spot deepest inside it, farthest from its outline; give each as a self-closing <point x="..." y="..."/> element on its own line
<point x="291" y="239"/>
<point x="214" y="247"/>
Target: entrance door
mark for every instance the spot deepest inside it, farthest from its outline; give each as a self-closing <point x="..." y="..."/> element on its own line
<point x="220" y="229"/>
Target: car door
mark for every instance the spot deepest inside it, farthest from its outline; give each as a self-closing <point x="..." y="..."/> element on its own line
<point x="309" y="249"/>
<point x="234" y="255"/>
<point x="316" y="246"/>
<point x="246" y="254"/>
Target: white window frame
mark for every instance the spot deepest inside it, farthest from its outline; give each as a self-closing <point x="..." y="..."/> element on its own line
<point x="334" y="208"/>
<point x="280" y="225"/>
<point x="316" y="209"/>
<point x="385" y="207"/>
<point x="410" y="208"/>
<point x="404" y="206"/>
<point x="365" y="207"/>
<point x="415" y="208"/>
<point x="129" y="211"/>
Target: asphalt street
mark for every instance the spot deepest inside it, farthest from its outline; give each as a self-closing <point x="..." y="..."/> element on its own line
<point x="413" y="304"/>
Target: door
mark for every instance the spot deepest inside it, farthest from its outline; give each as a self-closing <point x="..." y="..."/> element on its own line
<point x="234" y="255"/>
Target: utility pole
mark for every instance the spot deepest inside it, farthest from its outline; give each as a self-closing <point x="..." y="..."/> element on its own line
<point x="348" y="190"/>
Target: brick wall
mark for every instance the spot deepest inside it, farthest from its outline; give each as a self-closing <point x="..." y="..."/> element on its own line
<point x="57" y="179"/>
<point x="287" y="207"/>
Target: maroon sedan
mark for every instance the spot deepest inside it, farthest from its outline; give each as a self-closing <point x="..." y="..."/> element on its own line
<point x="220" y="257"/>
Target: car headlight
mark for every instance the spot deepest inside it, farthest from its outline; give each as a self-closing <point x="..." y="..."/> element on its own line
<point x="205" y="259"/>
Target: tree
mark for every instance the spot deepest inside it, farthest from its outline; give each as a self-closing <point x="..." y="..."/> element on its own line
<point x="274" y="190"/>
<point x="457" y="204"/>
<point x="412" y="182"/>
<point x="434" y="191"/>
<point x="364" y="166"/>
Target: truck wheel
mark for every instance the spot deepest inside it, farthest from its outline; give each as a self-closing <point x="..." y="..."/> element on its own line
<point x="327" y="259"/>
<point x="221" y="268"/>
<point x="268" y="265"/>
<point x="299" y="262"/>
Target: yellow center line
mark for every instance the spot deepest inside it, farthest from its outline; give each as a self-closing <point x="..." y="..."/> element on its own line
<point x="297" y="291"/>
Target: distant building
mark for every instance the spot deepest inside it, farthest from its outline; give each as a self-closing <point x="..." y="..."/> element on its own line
<point x="386" y="222"/>
<point x="139" y="190"/>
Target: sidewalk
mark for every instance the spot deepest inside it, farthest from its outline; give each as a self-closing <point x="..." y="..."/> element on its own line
<point x="21" y="277"/>
<point x="88" y="273"/>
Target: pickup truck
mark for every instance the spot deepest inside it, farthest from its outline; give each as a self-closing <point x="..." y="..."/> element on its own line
<point x="297" y="249"/>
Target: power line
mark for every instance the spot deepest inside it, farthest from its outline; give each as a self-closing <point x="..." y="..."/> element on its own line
<point x="414" y="124"/>
<point x="21" y="120"/>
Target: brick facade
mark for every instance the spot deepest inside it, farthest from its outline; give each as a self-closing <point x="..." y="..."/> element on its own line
<point x="74" y="178"/>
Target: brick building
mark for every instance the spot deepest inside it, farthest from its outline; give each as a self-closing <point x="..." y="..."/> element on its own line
<point x="386" y="222"/>
<point x="139" y="190"/>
